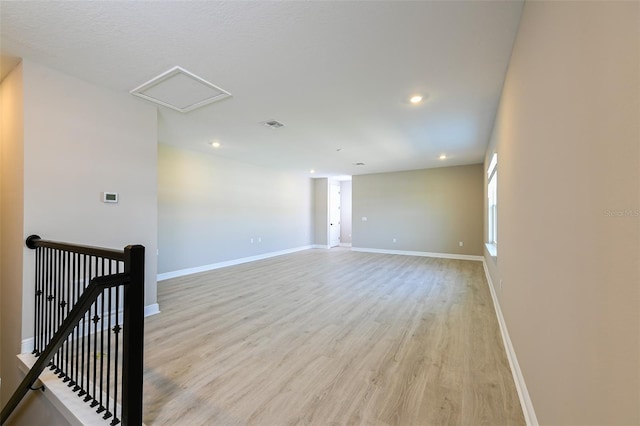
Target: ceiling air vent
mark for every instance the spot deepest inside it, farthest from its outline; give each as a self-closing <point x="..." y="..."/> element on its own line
<point x="180" y="90"/>
<point x="273" y="124"/>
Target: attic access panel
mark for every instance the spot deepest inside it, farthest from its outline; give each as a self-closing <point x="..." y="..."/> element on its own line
<point x="180" y="90"/>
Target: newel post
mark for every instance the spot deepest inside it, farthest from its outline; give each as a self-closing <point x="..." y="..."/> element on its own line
<point x="133" y="337"/>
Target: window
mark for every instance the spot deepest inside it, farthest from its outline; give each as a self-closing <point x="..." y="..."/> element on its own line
<point x="492" y="205"/>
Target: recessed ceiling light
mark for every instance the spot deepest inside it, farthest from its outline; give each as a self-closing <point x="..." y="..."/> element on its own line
<point x="443" y="157"/>
<point x="415" y="99"/>
<point x="215" y="144"/>
<point x="312" y="171"/>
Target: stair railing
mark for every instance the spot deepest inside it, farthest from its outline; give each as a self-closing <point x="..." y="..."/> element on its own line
<point x="89" y="326"/>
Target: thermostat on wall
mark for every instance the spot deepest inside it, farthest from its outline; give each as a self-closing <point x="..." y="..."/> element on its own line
<point x="109" y="197"/>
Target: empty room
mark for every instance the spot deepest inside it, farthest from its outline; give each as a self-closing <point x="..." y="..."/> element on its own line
<point x="320" y="212"/>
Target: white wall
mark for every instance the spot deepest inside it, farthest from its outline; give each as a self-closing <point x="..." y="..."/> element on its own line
<point x="76" y="140"/>
<point x="36" y="409"/>
<point x="345" y="211"/>
<point x="567" y="136"/>
<point x="321" y="212"/>
<point x="81" y="140"/>
<point x="210" y="208"/>
<point x="2" y="115"/>
<point x="11" y="226"/>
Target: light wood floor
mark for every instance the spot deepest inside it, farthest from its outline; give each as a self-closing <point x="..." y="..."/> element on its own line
<point x="329" y="337"/>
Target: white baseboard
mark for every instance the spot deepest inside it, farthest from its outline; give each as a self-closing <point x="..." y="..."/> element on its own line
<point x="320" y="246"/>
<point x="27" y="346"/>
<point x="210" y="267"/>
<point x="521" y="387"/>
<point x="420" y="253"/>
<point x="151" y="309"/>
<point x="345" y="244"/>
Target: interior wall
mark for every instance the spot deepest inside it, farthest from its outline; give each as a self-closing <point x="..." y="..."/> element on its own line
<point x="567" y="135"/>
<point x="345" y="211"/>
<point x="36" y="409"/>
<point x="429" y="210"/>
<point x="1" y="143"/>
<point x="82" y="140"/>
<point x="11" y="226"/>
<point x="211" y="208"/>
<point x="321" y="212"/>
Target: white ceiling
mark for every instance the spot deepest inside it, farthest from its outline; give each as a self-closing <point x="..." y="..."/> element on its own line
<point x="337" y="74"/>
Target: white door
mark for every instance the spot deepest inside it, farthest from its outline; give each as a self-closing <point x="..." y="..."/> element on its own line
<point x="334" y="214"/>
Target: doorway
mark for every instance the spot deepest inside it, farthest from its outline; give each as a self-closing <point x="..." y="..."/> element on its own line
<point x="334" y="214"/>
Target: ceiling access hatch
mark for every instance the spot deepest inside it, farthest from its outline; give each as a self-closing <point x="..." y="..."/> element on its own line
<point x="180" y="90"/>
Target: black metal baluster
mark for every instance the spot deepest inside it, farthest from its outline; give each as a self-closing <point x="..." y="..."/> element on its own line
<point x="62" y="302"/>
<point x="100" y="397"/>
<point x="96" y="318"/>
<point x="50" y="297"/>
<point x="35" y="306"/>
<point x="74" y="336"/>
<point x="62" y="270"/>
<point x="63" y="308"/>
<point x="43" y="300"/>
<point x="81" y="342"/>
<point x="54" y="303"/>
<point x="108" y="331"/>
<point x="108" y="413"/>
<point x="71" y="372"/>
<point x="87" y="333"/>
<point x="64" y="349"/>
<point x="116" y="332"/>
<point x="46" y="320"/>
<point x="76" y="295"/>
<point x="36" y="322"/>
<point x="56" y="308"/>
<point x="52" y="300"/>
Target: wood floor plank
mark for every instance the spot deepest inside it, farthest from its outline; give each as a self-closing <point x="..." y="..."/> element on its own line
<point x="329" y="337"/>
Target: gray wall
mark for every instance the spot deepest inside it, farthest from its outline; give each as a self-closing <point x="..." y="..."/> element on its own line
<point x="428" y="210"/>
<point x="209" y="209"/>
<point x="567" y="136"/>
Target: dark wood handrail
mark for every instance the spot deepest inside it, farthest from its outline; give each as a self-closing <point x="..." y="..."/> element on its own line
<point x="35" y="241"/>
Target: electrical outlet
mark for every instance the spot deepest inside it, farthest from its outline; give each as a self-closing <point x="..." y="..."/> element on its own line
<point x="252" y="241"/>
<point x="394" y="240"/>
<point x="259" y="239"/>
<point x="364" y="218"/>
